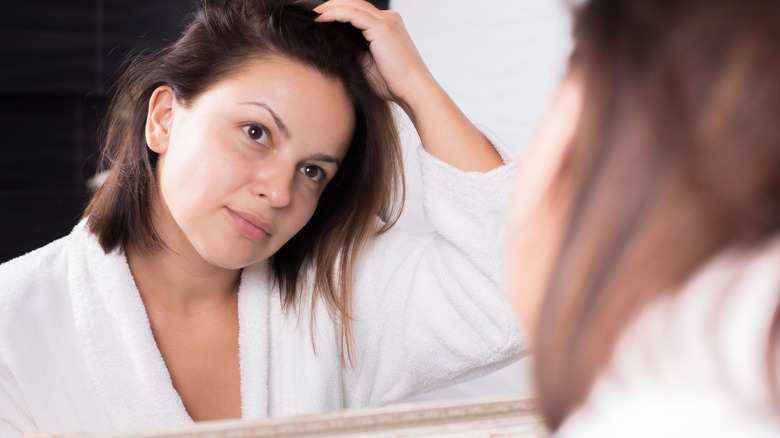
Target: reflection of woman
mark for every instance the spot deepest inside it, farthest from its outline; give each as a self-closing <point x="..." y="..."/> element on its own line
<point x="657" y="313"/>
<point x="235" y="264"/>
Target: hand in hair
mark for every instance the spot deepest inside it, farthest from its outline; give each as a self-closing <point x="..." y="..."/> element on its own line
<point x="401" y="76"/>
<point x="395" y="63"/>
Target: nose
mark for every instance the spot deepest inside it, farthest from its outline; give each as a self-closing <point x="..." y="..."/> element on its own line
<point x="274" y="184"/>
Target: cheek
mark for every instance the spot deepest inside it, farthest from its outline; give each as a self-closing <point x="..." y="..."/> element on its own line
<point x="191" y="177"/>
<point x="535" y="217"/>
<point x="181" y="180"/>
<point x="304" y="211"/>
<point x="514" y="263"/>
<point x="298" y="215"/>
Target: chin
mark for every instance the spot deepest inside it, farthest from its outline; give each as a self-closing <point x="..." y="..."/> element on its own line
<point x="232" y="258"/>
<point x="236" y="264"/>
<point x="230" y="250"/>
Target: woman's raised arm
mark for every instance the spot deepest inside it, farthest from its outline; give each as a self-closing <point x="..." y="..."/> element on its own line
<point x="401" y="76"/>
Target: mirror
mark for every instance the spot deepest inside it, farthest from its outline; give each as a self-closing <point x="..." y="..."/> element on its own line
<point x="500" y="60"/>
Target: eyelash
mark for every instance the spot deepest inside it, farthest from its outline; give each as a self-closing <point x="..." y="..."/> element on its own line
<point x="319" y="178"/>
<point x="263" y="132"/>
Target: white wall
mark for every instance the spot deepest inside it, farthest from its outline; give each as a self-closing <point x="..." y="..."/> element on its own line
<point x="500" y="60"/>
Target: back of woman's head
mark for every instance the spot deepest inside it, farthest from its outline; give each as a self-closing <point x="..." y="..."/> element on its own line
<point x="219" y="40"/>
<point x="676" y="156"/>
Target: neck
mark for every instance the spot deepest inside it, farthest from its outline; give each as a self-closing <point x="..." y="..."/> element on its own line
<point x="179" y="283"/>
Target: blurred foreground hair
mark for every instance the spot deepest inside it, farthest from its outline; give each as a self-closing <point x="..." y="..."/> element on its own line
<point x="676" y="157"/>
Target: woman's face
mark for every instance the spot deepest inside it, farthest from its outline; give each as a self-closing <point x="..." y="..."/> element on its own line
<point x="242" y="168"/>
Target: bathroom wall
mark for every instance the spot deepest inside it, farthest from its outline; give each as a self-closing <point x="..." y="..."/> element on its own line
<point x="59" y="63"/>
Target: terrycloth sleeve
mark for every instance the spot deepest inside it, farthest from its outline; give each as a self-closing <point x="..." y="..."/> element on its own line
<point x="431" y="308"/>
<point x="17" y="332"/>
<point x="13" y="418"/>
<point x="44" y="384"/>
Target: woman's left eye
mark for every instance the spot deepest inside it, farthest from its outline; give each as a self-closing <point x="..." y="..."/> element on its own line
<point x="256" y="132"/>
<point x="314" y="173"/>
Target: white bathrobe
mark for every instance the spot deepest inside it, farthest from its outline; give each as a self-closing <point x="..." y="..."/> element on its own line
<point x="77" y="351"/>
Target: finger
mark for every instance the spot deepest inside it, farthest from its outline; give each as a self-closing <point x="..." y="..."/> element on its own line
<point x="78" y="433"/>
<point x="347" y="14"/>
<point x="356" y="4"/>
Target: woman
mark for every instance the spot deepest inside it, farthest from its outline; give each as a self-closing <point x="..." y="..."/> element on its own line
<point x="646" y="258"/>
<point x="239" y="261"/>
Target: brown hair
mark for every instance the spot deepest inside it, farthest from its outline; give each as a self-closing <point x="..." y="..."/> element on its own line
<point x="221" y="37"/>
<point x="675" y="157"/>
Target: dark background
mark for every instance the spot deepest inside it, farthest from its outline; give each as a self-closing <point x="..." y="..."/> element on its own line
<point x="59" y="62"/>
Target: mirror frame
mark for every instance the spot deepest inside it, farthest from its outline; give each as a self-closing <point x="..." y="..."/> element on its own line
<point x="504" y="416"/>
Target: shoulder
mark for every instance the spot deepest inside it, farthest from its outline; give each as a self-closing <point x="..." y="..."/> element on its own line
<point x="737" y="291"/>
<point x="32" y="295"/>
<point x="32" y="270"/>
<point x="33" y="266"/>
<point x="697" y="356"/>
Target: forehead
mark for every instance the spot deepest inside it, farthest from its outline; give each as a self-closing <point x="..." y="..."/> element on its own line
<point x="280" y="77"/>
<point x="313" y="107"/>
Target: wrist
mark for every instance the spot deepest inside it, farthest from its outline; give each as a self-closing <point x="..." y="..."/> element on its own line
<point x="424" y="94"/>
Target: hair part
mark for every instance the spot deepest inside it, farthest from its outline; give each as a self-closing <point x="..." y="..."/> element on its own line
<point x="222" y="36"/>
<point x="675" y="158"/>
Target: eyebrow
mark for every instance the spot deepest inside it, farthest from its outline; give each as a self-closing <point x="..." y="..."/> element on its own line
<point x="279" y="124"/>
<point x="326" y="158"/>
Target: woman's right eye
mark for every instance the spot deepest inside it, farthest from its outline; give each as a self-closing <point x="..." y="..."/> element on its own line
<point x="257" y="133"/>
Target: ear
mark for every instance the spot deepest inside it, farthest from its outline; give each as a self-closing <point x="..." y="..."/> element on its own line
<point x="158" y="119"/>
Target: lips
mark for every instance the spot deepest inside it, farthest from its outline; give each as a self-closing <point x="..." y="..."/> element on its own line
<point x="250" y="225"/>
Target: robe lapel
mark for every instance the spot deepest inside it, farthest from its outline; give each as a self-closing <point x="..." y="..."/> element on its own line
<point x="124" y="363"/>
<point x="254" y="299"/>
